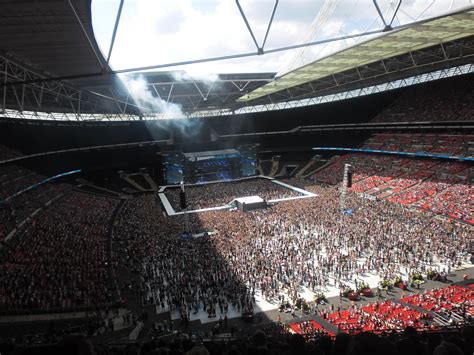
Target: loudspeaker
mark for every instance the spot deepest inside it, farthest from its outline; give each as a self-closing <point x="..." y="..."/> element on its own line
<point x="349" y="179"/>
<point x="182" y="199"/>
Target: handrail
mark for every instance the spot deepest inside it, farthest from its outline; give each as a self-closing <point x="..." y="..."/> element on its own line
<point x="394" y="152"/>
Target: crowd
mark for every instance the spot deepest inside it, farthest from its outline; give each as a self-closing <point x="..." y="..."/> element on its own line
<point x="449" y="144"/>
<point x="8" y="153"/>
<point x="13" y="211"/>
<point x="378" y="316"/>
<point x="441" y="187"/>
<point x="456" y="202"/>
<point x="176" y="273"/>
<point x="451" y="305"/>
<point x="455" y="299"/>
<point x="308" y="243"/>
<point x="220" y="194"/>
<point x="273" y="339"/>
<point x="279" y="251"/>
<point x="275" y="253"/>
<point x="58" y="260"/>
<point x="14" y="178"/>
<point x="310" y="329"/>
<point x="442" y="100"/>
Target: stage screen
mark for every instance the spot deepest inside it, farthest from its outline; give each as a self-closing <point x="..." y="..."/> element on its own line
<point x="208" y="166"/>
<point x="173" y="167"/>
<point x="217" y="165"/>
<point x="212" y="170"/>
<point x="248" y="160"/>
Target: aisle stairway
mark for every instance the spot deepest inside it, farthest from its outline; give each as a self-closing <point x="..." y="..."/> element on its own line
<point x="310" y="172"/>
<point x="287" y="170"/>
<point x="264" y="166"/>
<point x="275" y="165"/>
<point x="151" y="182"/>
<point x="134" y="184"/>
<point x="84" y="182"/>
<point x="310" y="162"/>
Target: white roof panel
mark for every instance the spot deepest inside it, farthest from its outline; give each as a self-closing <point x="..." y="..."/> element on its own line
<point x="439" y="30"/>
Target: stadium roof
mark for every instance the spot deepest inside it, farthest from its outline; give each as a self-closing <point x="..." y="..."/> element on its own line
<point x="54" y="38"/>
<point x="48" y="49"/>
<point x="396" y="43"/>
<point x="195" y="94"/>
<point x="47" y="36"/>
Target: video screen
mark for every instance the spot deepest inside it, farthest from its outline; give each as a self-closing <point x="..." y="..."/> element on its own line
<point x="173" y="167"/>
<point x="209" y="166"/>
<point x="213" y="170"/>
<point x="248" y="160"/>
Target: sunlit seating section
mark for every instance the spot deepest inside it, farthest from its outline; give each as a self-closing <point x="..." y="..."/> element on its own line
<point x="377" y="317"/>
<point x="453" y="144"/>
<point x="450" y="298"/>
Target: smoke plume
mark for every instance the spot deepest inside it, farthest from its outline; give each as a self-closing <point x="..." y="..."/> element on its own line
<point x="150" y="104"/>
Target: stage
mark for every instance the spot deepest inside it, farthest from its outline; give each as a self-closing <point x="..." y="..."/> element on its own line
<point x="170" y="211"/>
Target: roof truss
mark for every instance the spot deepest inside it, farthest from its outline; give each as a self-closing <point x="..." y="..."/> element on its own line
<point x="375" y="51"/>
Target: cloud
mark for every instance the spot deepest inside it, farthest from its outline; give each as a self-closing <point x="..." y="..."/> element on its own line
<point x="200" y="34"/>
<point x="162" y="31"/>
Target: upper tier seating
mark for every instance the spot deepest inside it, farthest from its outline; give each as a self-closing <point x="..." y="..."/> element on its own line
<point x="444" y="100"/>
<point x="449" y="144"/>
<point x="8" y="153"/>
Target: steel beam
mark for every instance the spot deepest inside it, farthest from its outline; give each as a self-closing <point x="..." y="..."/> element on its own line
<point x="86" y="35"/>
<point x="191" y="81"/>
<point x="58" y="91"/>
<point x="5" y="79"/>
<point x="169" y="94"/>
<point x="117" y="21"/>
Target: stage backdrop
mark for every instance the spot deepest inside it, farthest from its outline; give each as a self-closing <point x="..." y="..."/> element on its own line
<point x="217" y="165"/>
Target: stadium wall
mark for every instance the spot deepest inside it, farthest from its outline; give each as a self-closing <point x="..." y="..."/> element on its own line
<point x="31" y="136"/>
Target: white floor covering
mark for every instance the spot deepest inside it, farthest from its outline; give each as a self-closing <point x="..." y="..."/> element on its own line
<point x="330" y="290"/>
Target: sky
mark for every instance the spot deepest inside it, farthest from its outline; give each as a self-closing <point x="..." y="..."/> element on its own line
<point x="165" y="31"/>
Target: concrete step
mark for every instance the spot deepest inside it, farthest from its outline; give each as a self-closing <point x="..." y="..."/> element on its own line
<point x="151" y="182"/>
<point x="134" y="184"/>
